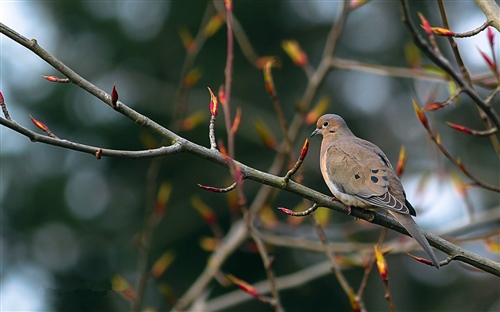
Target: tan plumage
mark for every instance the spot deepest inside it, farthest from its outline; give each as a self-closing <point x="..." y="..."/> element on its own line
<point x="359" y="174"/>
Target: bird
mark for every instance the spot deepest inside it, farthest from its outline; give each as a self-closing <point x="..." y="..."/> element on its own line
<point x="359" y="174"/>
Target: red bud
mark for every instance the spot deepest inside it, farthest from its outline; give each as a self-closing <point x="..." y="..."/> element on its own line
<point x="4" y="107"/>
<point x="420" y="114"/>
<point x="214" y="106"/>
<point x="304" y="150"/>
<point x="39" y="124"/>
<point x="56" y="79"/>
<point x="211" y="188"/>
<point x="162" y="198"/>
<point x="204" y="210"/>
<point x="401" y="161"/>
<point x="236" y="123"/>
<point x="460" y="128"/>
<point x="433" y="106"/>
<point x="488" y="60"/>
<point x="491" y="35"/>
<point x="268" y="78"/>
<point x="442" y="31"/>
<point x="425" y="25"/>
<point x="249" y="289"/>
<point x="381" y="264"/>
<point x="114" y="96"/>
<point x="285" y="210"/>
<point x="294" y="51"/>
<point x="422" y="260"/>
<point x="229" y="5"/>
<point x="222" y="95"/>
<point x="162" y="264"/>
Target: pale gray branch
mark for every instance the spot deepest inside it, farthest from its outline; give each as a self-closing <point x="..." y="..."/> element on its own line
<point x="491" y="10"/>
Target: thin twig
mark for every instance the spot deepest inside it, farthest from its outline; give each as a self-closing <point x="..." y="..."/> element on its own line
<point x="304" y="213"/>
<point x="4" y="107"/>
<point x="93" y="150"/>
<point x="240" y="35"/>
<point x="356" y="303"/>
<point x="192" y="53"/>
<point x="469" y="33"/>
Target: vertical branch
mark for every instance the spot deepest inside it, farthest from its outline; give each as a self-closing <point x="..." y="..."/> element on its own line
<point x="228" y="70"/>
<point x="268" y="78"/>
<point x="356" y="303"/>
<point x="192" y="52"/>
<point x="144" y="242"/>
<point x="369" y="265"/>
<point x="453" y="44"/>
<point x="235" y="171"/>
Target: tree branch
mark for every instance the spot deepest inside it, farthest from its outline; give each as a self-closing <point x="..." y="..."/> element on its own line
<point x="443" y="63"/>
<point x="239" y="231"/>
<point x="491" y="10"/>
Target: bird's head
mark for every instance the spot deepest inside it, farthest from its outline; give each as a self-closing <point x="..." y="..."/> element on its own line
<point x="331" y="125"/>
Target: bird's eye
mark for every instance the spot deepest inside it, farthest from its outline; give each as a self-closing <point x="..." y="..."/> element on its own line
<point x="325" y="124"/>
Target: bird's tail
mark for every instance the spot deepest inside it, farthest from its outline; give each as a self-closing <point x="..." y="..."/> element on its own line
<point x="412" y="228"/>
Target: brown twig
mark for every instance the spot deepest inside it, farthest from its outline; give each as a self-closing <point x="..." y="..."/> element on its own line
<point x="301" y="213"/>
<point x="219" y="190"/>
<point x="356" y="303"/>
<point x="240" y="35"/>
<point x="384" y="274"/>
<point x="453" y="44"/>
<point x="297" y="165"/>
<point x="4" y="107"/>
<point x="469" y="33"/>
<point x="369" y="266"/>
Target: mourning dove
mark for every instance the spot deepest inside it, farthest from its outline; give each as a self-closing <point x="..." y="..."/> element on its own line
<point x="359" y="174"/>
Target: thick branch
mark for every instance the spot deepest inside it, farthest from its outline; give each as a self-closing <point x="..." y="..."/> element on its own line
<point x="491" y="10"/>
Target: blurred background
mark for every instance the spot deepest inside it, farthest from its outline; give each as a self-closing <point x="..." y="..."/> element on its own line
<point x="69" y="221"/>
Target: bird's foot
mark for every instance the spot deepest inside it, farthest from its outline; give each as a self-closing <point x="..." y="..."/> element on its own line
<point x="349" y="210"/>
<point x="335" y="198"/>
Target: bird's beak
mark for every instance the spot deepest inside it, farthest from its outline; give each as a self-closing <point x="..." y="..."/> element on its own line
<point x="314" y="132"/>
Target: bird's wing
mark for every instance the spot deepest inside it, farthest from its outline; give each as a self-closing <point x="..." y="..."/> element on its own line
<point x="362" y="170"/>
